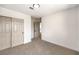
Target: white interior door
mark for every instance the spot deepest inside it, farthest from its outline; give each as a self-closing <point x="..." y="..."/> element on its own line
<point x="5" y="32"/>
<point x="17" y="32"/>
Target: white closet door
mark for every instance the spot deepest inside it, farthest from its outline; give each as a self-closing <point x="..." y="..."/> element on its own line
<point x="17" y="32"/>
<point x="5" y="32"/>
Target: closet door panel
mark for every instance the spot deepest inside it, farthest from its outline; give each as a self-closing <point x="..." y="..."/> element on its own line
<point x="5" y="32"/>
<point x="17" y="32"/>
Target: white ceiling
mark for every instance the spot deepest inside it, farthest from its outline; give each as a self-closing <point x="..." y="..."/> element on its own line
<point x="44" y="10"/>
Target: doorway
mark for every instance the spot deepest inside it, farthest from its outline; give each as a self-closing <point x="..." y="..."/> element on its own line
<point x="36" y="29"/>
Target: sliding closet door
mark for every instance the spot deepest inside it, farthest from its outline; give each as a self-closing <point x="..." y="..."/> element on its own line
<point x="17" y="32"/>
<point x="5" y="32"/>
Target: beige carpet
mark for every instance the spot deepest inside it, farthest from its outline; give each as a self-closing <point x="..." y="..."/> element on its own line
<point x="38" y="47"/>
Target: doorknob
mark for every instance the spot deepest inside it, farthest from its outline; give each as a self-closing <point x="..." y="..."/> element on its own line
<point x="22" y="32"/>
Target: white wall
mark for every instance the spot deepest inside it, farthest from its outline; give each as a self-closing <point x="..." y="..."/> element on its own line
<point x="62" y="28"/>
<point x="27" y="21"/>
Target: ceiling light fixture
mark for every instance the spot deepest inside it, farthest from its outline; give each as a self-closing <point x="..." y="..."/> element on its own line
<point x="34" y="6"/>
